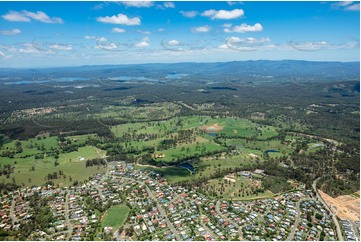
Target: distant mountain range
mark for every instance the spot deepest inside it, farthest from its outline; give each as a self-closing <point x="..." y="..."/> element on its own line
<point x="243" y="68"/>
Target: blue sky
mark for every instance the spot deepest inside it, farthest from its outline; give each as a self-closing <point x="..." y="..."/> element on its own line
<point x="40" y="34"/>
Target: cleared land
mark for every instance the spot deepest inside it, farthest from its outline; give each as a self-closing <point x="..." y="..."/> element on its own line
<point x="348" y="206"/>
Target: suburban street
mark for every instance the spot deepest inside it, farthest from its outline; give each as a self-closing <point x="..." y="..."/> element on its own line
<point x="294" y="227"/>
<point x="335" y="220"/>
<point x="217" y="208"/>
<point x="160" y="209"/>
<point x="12" y="215"/>
<point x="67" y="220"/>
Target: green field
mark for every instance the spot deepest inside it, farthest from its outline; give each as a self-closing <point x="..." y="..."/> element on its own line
<point x="115" y="216"/>
<point x="201" y="146"/>
<point x="30" y="171"/>
<point x="172" y="174"/>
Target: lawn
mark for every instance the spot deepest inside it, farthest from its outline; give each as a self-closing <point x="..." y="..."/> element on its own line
<point x="115" y="216"/>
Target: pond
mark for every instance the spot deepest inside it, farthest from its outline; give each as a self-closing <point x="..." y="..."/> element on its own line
<point x="271" y="151"/>
<point x="188" y="167"/>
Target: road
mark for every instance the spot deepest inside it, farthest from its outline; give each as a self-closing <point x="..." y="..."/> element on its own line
<point x="355" y="230"/>
<point x="218" y="211"/>
<point x="334" y="218"/>
<point x="160" y="209"/>
<point x="294" y="227"/>
<point x="12" y="207"/>
<point x="67" y="220"/>
<point x="162" y="213"/>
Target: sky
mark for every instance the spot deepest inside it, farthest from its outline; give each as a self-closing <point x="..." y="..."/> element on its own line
<point x="49" y="34"/>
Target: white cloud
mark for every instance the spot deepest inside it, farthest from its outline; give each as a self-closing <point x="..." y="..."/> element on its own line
<point x="227" y="25"/>
<point x="161" y="29"/>
<point x="100" y="5"/>
<point x="342" y="4"/>
<point x="189" y="14"/>
<point x="224" y="46"/>
<point x="353" y="7"/>
<point x="28" y="48"/>
<point x="10" y="32"/>
<point x="94" y="37"/>
<point x="15" y="17"/>
<point x="107" y="46"/>
<point x="119" y="19"/>
<point x="26" y="16"/>
<point x="169" y="5"/>
<point x="223" y="14"/>
<point x="143" y="32"/>
<point x="143" y="43"/>
<point x="61" y="47"/>
<point x="138" y="4"/>
<point x="42" y="17"/>
<point x="118" y="30"/>
<point x="235" y="39"/>
<point x="90" y="37"/>
<point x="244" y="28"/>
<point x="173" y="42"/>
<point x="231" y="3"/>
<point x="260" y="40"/>
<point x="205" y="28"/>
<point x="346" y="5"/>
<point x="2" y="54"/>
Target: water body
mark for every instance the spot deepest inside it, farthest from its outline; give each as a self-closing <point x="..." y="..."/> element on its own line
<point x="46" y="80"/>
<point x="176" y="76"/>
<point x="271" y="151"/>
<point x="131" y="78"/>
<point x="188" y="167"/>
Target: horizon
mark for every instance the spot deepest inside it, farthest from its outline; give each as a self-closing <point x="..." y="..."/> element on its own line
<point x="161" y="63"/>
<point x="43" y="35"/>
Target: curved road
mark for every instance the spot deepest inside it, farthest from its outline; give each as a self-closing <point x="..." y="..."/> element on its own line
<point x="334" y="218"/>
<point x="294" y="227"/>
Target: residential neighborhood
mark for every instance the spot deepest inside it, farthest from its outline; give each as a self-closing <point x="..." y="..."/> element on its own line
<point x="159" y="211"/>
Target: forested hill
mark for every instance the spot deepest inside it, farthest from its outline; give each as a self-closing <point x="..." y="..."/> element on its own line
<point x="283" y="68"/>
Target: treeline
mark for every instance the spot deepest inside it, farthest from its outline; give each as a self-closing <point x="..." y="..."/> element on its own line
<point x="95" y="162"/>
<point x="28" y="129"/>
<point x="6" y="170"/>
<point x="276" y="184"/>
<point x="8" y="187"/>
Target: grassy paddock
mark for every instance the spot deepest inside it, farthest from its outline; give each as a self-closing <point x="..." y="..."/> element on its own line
<point x="115" y="216"/>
